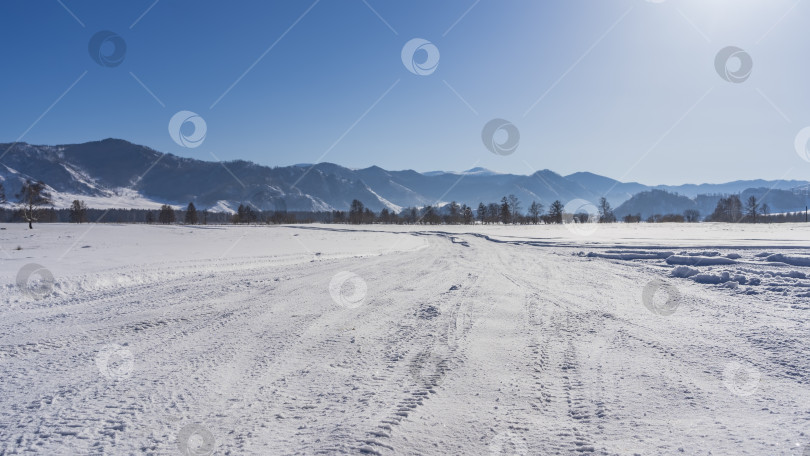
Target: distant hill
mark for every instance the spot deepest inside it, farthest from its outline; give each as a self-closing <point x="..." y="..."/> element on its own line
<point x="117" y="173"/>
<point x="656" y="201"/>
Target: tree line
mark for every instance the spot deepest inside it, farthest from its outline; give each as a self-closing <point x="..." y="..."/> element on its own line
<point x="33" y="197"/>
<point x="509" y="211"/>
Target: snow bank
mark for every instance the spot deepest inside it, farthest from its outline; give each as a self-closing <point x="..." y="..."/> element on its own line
<point x="793" y="260"/>
<point x="684" y="272"/>
<point x="690" y="260"/>
<point x="630" y="255"/>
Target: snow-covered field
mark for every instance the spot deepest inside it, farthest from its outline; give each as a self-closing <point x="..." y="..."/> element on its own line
<point x="323" y="339"/>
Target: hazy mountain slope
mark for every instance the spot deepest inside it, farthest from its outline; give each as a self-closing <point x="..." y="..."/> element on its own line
<point x="117" y="173"/>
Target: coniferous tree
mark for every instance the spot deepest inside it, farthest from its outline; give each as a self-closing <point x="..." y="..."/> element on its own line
<point x="555" y="212"/>
<point x="78" y="212"/>
<point x="482" y="213"/>
<point x="166" y="215"/>
<point x="191" y="214"/>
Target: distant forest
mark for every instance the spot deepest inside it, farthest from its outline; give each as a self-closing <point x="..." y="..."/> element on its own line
<point x="33" y="201"/>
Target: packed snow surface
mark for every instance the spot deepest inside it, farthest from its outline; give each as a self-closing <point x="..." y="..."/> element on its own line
<point x="468" y="340"/>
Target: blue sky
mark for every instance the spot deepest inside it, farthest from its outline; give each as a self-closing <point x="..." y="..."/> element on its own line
<point x="623" y="88"/>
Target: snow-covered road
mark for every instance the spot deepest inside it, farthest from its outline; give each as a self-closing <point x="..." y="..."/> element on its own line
<point x="392" y="340"/>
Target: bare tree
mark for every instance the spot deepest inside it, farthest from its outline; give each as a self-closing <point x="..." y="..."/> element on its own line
<point x="752" y="208"/>
<point x="691" y="215"/>
<point x="454" y="213"/>
<point x="514" y="205"/>
<point x="356" y="212"/>
<point x="535" y="210"/>
<point x="33" y="195"/>
<point x="605" y="211"/>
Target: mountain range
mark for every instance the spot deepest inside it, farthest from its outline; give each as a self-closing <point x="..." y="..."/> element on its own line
<point x="116" y="173"/>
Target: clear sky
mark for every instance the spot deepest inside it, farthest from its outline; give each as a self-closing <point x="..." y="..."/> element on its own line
<point x="624" y="88"/>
